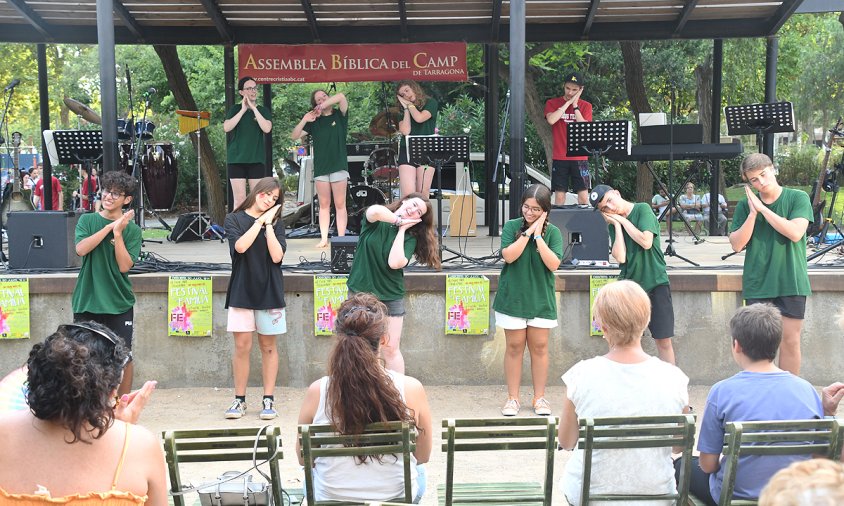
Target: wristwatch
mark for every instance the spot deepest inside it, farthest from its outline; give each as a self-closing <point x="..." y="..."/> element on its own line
<point x="576" y="108"/>
<point x="525" y="234"/>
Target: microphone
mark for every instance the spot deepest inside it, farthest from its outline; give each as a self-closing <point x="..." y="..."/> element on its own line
<point x="12" y="84"/>
<point x="149" y="92"/>
<point x="332" y="88"/>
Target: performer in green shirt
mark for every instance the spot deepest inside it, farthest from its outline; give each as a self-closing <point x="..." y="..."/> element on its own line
<point x="248" y="124"/>
<point x="327" y="128"/>
<point x="634" y="235"/>
<point x="389" y="237"/>
<point x="526" y="303"/>
<point x="772" y="226"/>
<point x="419" y="118"/>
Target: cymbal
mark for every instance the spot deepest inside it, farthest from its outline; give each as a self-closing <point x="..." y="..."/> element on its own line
<point x="386" y="123"/>
<point x="83" y="110"/>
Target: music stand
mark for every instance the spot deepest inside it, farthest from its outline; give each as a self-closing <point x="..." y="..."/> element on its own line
<point x="75" y="146"/>
<point x="759" y="119"/>
<point x="598" y="138"/>
<point x="438" y="150"/>
<point x="189" y="122"/>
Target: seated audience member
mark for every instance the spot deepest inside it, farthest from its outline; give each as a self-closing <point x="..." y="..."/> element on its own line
<point x="761" y="391"/>
<point x="690" y="204"/>
<point x="722" y="212"/>
<point x="659" y="203"/>
<point x="815" y="482"/>
<point x="625" y="382"/>
<point x="71" y="446"/>
<point x="359" y="391"/>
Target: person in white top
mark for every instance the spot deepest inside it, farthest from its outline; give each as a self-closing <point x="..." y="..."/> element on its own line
<point x="359" y="391"/>
<point x="626" y="382"/>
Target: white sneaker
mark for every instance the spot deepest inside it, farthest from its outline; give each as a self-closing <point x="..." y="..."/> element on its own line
<point x="511" y="407"/>
<point x="541" y="407"/>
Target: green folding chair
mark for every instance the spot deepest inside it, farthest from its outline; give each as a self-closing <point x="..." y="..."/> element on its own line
<point x="792" y="437"/>
<point x="385" y="438"/>
<point x="626" y="433"/>
<point x="498" y="434"/>
<point x="221" y="445"/>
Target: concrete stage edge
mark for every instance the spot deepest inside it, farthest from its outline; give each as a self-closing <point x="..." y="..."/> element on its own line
<point x="703" y="302"/>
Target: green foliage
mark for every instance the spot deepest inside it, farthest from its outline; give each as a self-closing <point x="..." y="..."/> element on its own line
<point x="797" y="164"/>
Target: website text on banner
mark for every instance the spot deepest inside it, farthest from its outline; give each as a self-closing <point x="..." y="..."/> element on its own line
<point x="319" y="63"/>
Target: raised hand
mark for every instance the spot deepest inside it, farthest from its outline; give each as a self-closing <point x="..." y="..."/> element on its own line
<point x="120" y="223"/>
<point x="267" y="217"/>
<point x="131" y="405"/>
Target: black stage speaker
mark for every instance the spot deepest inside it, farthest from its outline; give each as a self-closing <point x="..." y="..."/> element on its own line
<point x="343" y="253"/>
<point x="42" y="239"/>
<point x="585" y="235"/>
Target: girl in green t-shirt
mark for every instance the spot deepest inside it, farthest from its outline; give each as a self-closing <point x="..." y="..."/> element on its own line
<point x="525" y="303"/>
<point x="328" y="127"/>
<point x="419" y="117"/>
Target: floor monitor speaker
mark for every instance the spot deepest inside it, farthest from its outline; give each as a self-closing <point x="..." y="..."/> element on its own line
<point x="585" y="235"/>
<point x="42" y="240"/>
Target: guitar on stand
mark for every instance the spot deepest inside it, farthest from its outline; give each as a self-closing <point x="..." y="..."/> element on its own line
<point x="817" y="226"/>
<point x="15" y="200"/>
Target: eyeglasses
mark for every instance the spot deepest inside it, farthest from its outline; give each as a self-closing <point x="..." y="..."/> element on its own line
<point x="534" y="209"/>
<point x="100" y="333"/>
<point x="113" y="195"/>
<point x="250" y="88"/>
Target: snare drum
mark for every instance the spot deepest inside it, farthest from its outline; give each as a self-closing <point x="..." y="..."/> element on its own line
<point x="358" y="199"/>
<point x="160" y="175"/>
<point x="144" y="129"/>
<point x="382" y="164"/>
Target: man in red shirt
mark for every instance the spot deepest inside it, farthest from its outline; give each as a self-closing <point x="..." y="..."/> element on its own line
<point x="87" y="190"/>
<point x="38" y="194"/>
<point x="559" y="112"/>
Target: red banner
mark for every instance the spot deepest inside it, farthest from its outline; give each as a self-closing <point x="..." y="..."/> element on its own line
<point x="320" y="63"/>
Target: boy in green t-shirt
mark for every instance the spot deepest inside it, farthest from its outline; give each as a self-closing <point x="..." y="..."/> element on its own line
<point x="634" y="235"/>
<point x="772" y="226"/>
<point x="109" y="243"/>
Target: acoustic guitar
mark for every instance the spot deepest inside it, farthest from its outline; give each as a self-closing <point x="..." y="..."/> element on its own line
<point x="818" y="204"/>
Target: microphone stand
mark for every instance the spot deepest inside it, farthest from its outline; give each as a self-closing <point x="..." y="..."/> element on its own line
<point x="672" y="202"/>
<point x="501" y="201"/>
<point x="4" y="127"/>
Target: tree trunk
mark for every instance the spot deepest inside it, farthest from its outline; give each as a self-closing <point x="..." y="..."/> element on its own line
<point x="631" y="52"/>
<point x="703" y="77"/>
<point x="184" y="98"/>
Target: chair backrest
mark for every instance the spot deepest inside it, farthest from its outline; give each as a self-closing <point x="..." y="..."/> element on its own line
<point x="490" y="434"/>
<point x="626" y="433"/>
<point x="222" y="445"/>
<point x="788" y="437"/>
<point x="384" y="438"/>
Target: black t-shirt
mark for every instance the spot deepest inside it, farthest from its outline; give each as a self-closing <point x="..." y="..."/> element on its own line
<point x="256" y="281"/>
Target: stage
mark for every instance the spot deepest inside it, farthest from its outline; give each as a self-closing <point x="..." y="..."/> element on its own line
<point x="705" y="297"/>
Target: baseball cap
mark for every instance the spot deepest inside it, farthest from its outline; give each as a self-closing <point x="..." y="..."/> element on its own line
<point x="574" y="77"/>
<point x="598" y="193"/>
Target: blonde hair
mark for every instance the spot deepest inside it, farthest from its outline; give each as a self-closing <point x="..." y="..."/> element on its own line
<point x="815" y="482"/>
<point x="623" y="311"/>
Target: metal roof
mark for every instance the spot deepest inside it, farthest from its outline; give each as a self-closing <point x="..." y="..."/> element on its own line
<point x="384" y="21"/>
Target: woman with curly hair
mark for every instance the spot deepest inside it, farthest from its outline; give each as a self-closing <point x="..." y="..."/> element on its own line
<point x="72" y="446"/>
<point x="525" y="304"/>
<point x="419" y="117"/>
<point x="359" y="391"/>
<point x="389" y="237"/>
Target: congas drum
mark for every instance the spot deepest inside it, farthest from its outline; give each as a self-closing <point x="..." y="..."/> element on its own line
<point x="383" y="165"/>
<point x="160" y="175"/>
<point x="358" y="199"/>
<point x="144" y="129"/>
<point x="124" y="157"/>
<point x="124" y="129"/>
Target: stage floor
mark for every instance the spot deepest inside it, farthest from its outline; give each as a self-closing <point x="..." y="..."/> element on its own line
<point x="483" y="248"/>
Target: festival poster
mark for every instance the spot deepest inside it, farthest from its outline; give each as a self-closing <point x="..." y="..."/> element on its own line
<point x="329" y="292"/>
<point x="14" y="308"/>
<point x="189" y="306"/>
<point x="596" y="282"/>
<point x="467" y="304"/>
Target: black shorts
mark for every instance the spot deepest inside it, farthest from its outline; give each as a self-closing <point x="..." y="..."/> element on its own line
<point x="247" y="171"/>
<point x="563" y="171"/>
<point x="791" y="306"/>
<point x="121" y="324"/>
<point x="662" y="312"/>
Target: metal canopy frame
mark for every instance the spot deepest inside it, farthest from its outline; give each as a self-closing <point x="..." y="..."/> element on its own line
<point x="226" y="22"/>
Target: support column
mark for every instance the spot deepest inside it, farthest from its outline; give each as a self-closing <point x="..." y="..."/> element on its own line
<point x="491" y="140"/>
<point x="108" y="82"/>
<point x="771" y="56"/>
<point x="517" y="104"/>
<point x="230" y="85"/>
<point x="44" y="109"/>
<point x="268" y="144"/>
<point x="715" y="132"/>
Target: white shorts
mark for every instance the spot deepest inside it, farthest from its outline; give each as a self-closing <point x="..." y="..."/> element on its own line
<point x="334" y="177"/>
<point x="268" y="322"/>
<point x="508" y="322"/>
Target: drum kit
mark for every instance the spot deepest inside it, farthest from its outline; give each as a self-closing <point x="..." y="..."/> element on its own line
<point x="159" y="169"/>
